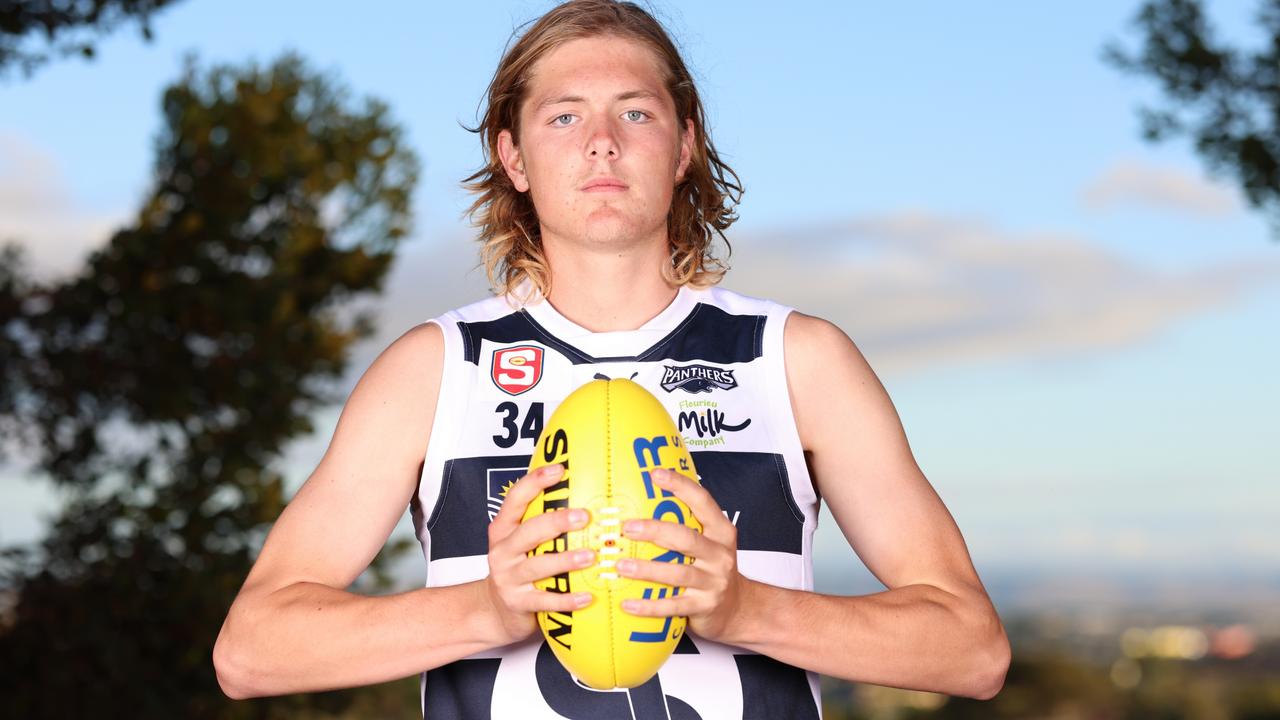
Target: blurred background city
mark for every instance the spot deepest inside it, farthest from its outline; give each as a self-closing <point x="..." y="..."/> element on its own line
<point x="1051" y="229"/>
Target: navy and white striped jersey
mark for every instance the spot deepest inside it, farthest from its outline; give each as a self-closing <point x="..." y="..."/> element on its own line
<point x="715" y="359"/>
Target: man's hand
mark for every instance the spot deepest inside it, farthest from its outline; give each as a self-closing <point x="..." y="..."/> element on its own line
<point x="513" y="597"/>
<point x="712" y="586"/>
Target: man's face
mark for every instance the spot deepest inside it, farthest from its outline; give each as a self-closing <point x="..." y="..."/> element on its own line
<point x="578" y="125"/>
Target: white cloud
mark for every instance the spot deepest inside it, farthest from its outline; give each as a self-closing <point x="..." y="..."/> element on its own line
<point x="1134" y="182"/>
<point x="919" y="291"/>
<point x="38" y="209"/>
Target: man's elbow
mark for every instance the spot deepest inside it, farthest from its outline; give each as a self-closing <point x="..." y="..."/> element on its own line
<point x="228" y="667"/>
<point x="995" y="663"/>
<point x="987" y="664"/>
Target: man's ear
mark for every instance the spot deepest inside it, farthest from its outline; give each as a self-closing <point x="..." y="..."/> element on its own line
<point x="511" y="160"/>
<point x="686" y="149"/>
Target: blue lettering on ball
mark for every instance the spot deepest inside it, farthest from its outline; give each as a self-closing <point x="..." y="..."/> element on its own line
<point x="668" y="507"/>
<point x="656" y="635"/>
<point x="646" y="450"/>
<point x="641" y="446"/>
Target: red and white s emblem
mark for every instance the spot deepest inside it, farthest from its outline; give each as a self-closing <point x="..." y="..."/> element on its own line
<point x="516" y="369"/>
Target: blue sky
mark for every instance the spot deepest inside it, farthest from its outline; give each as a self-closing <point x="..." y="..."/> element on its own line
<point x="1077" y="328"/>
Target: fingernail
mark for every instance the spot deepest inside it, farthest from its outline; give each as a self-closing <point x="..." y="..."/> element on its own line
<point x="582" y="599"/>
<point x="629" y="604"/>
<point x="626" y="565"/>
<point x="631" y="526"/>
<point x="582" y="556"/>
<point x="552" y="470"/>
<point x="577" y="517"/>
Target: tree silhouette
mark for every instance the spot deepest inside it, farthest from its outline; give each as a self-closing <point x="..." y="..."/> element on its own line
<point x="66" y="27"/>
<point x="1232" y="100"/>
<point x="157" y="387"/>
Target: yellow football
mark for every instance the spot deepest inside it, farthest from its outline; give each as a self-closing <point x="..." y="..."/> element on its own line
<point x="610" y="434"/>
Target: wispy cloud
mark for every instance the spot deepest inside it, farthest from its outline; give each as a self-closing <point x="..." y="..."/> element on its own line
<point x="38" y="209"/>
<point x="1132" y="182"/>
<point x="918" y="290"/>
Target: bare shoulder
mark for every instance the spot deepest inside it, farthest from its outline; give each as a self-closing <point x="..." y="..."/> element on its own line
<point x="343" y="514"/>
<point x="864" y="467"/>
<point x="813" y="340"/>
<point x="821" y="359"/>
<point x="393" y="403"/>
<point x="405" y="359"/>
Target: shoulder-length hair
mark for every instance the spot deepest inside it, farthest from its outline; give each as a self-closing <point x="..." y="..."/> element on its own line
<point x="509" y="234"/>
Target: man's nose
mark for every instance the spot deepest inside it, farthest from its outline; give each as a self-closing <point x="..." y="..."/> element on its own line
<point x="602" y="139"/>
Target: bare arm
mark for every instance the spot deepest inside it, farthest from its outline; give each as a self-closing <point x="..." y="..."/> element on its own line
<point x="292" y="628"/>
<point x="309" y="637"/>
<point x="935" y="628"/>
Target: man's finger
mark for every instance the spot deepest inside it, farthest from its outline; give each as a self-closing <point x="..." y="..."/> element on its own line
<point x="519" y="497"/>
<point x="544" y="527"/>
<point x="715" y="525"/>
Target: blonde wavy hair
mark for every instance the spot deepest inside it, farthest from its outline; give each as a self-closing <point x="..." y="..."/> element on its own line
<point x="509" y="233"/>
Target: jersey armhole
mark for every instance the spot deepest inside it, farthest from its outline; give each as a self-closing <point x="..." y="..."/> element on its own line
<point x="446" y="398"/>
<point x="786" y="435"/>
<point x="444" y="429"/>
<point x="780" y="393"/>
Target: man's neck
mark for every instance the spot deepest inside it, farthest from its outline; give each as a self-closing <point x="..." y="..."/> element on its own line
<point x="604" y="292"/>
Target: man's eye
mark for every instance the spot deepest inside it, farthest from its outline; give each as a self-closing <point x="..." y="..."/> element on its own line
<point x="557" y="118"/>
<point x="637" y="112"/>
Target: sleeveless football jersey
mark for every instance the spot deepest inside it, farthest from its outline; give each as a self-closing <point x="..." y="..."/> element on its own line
<point x="715" y="359"/>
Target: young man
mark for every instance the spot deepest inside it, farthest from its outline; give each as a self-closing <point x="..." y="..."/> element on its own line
<point x="596" y="213"/>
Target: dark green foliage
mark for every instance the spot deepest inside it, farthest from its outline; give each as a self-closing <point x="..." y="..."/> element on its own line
<point x="159" y="385"/>
<point x="65" y="26"/>
<point x="1231" y="100"/>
